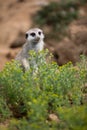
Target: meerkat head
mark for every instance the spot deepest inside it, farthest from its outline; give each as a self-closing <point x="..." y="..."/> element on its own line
<point x="34" y="35"/>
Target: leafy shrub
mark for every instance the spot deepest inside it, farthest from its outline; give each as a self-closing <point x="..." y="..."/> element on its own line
<point x="74" y="118"/>
<point x="57" y="16"/>
<point x="24" y="124"/>
<point x="38" y="92"/>
<point x="4" y="110"/>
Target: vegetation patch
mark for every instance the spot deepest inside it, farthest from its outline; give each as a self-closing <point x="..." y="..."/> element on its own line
<point x="57" y="16"/>
<point x="50" y="89"/>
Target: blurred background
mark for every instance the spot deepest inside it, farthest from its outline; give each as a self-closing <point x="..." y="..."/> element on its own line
<point x="64" y="23"/>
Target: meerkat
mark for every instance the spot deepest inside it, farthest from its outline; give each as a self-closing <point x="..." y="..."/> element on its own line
<point x="34" y="41"/>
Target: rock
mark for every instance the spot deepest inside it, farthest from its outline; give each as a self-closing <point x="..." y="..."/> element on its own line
<point x="11" y="54"/>
<point x="53" y="117"/>
<point x="66" y="51"/>
<point x="19" y="41"/>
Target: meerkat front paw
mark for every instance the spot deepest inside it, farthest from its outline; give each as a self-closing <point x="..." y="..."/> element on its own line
<point x="25" y="64"/>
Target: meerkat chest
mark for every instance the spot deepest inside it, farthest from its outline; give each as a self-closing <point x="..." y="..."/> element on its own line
<point x="38" y="47"/>
<point x="32" y="46"/>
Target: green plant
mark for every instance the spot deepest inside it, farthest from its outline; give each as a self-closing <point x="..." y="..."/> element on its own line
<point x="24" y="124"/>
<point x="4" y="110"/>
<point x="57" y="16"/>
<point x="35" y="94"/>
<point x="74" y="118"/>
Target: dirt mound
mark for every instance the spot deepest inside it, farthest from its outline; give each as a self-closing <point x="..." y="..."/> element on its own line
<point x="71" y="47"/>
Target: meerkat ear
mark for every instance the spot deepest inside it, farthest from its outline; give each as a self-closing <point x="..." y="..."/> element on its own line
<point x="26" y="35"/>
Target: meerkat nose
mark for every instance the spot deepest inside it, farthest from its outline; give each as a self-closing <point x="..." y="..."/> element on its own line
<point x="26" y="35"/>
<point x="37" y="38"/>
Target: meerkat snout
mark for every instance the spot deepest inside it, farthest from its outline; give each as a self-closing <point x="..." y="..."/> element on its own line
<point x="34" y="41"/>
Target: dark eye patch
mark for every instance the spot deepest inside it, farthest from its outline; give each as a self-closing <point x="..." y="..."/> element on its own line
<point x="26" y="35"/>
<point x="32" y="34"/>
<point x="39" y="33"/>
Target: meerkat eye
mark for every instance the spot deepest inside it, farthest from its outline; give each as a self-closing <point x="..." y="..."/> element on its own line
<point x="39" y="33"/>
<point x="26" y="35"/>
<point x="32" y="34"/>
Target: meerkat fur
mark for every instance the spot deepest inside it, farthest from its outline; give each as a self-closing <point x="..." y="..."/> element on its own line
<point x="34" y="41"/>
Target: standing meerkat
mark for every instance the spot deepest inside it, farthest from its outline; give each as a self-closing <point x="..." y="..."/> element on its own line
<point x="34" y="41"/>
